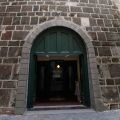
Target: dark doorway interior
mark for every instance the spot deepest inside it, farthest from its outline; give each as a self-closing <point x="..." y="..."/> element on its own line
<point x="56" y="81"/>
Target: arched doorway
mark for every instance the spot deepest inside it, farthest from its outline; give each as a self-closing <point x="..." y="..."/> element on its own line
<point x="22" y="90"/>
<point x="58" y="70"/>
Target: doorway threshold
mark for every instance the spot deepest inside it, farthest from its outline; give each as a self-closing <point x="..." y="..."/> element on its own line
<point x="57" y="107"/>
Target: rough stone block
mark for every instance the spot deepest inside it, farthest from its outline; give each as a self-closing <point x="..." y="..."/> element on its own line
<point x="0" y="84"/>
<point x="22" y="83"/>
<point x="26" y="8"/>
<point x="44" y="8"/>
<point x="115" y="60"/>
<point x="113" y="36"/>
<point x="101" y="36"/>
<point x="114" y="51"/>
<point x="108" y="23"/>
<point x="20" y="97"/>
<point x="25" y="20"/>
<point x="42" y="19"/>
<point x="6" y="36"/>
<point x="21" y="90"/>
<point x="34" y="20"/>
<point x="87" y="10"/>
<point x="4" y="97"/>
<point x="2" y="8"/>
<point x="13" y="8"/>
<point x="20" y="103"/>
<point x="14" y="51"/>
<point x="76" y="9"/>
<point x="100" y="22"/>
<point x="102" y="1"/>
<point x="19" y="111"/>
<point x="19" y="35"/>
<point x="102" y="81"/>
<point x="10" y="27"/>
<point x="84" y="1"/>
<point x="93" y="1"/>
<point x="36" y="8"/>
<point x="85" y="21"/>
<point x="24" y="71"/>
<point x="117" y="82"/>
<point x="7" y="21"/>
<point x="114" y="70"/>
<point x="116" y="23"/>
<point x="9" y="84"/>
<point x="16" y="21"/>
<point x="23" y="77"/>
<point x="10" y="60"/>
<point x="5" y="71"/>
<point x="104" y="51"/>
<point x="110" y="81"/>
<point x="93" y="35"/>
<point x="15" y="72"/>
<point x="106" y="60"/>
<point x="110" y="94"/>
<point x="77" y="21"/>
<point x="104" y="11"/>
<point x="13" y="43"/>
<point x="3" y="51"/>
<point x="92" y="22"/>
<point x="1" y="19"/>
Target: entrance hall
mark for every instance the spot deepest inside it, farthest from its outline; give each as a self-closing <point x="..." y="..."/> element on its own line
<point x="57" y="79"/>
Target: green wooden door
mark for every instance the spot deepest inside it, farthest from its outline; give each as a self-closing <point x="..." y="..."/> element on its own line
<point x="57" y="41"/>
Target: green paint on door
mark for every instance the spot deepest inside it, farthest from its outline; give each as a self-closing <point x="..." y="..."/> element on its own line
<point x="58" y="41"/>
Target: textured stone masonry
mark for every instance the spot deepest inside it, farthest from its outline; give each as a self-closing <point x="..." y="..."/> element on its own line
<point x="101" y="22"/>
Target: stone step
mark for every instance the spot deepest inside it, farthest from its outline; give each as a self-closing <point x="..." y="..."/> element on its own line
<point x="57" y="107"/>
<point x="60" y="112"/>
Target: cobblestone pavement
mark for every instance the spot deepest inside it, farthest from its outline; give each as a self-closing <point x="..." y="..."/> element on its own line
<point x="65" y="115"/>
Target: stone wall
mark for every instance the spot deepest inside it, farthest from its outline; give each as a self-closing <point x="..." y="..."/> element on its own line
<point x="98" y="18"/>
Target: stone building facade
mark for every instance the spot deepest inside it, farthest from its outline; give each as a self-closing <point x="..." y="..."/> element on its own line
<point x="98" y="19"/>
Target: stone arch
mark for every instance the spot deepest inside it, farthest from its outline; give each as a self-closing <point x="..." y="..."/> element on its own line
<point x="95" y="94"/>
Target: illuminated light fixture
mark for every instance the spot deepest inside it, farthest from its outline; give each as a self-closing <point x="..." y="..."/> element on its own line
<point x="58" y="66"/>
<point x="67" y="55"/>
<point x="47" y="55"/>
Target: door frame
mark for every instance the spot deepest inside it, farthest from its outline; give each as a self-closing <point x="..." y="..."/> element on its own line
<point x="65" y="58"/>
<point x="94" y="87"/>
<point x="82" y="85"/>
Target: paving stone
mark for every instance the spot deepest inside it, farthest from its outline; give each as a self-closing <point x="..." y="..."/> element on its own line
<point x="65" y="115"/>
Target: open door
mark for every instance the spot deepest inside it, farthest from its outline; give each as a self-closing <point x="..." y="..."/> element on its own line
<point x="58" y="83"/>
<point x="84" y="84"/>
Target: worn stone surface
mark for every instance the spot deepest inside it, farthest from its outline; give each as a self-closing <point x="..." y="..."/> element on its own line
<point x="3" y="51"/>
<point x="104" y="51"/>
<point x="114" y="70"/>
<point x="4" y="97"/>
<point x="9" y="84"/>
<point x="5" y="71"/>
<point x="98" y="18"/>
<point x="7" y="35"/>
<point x="19" y="35"/>
<point x="110" y="94"/>
<point x="65" y="115"/>
<point x="14" y="51"/>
